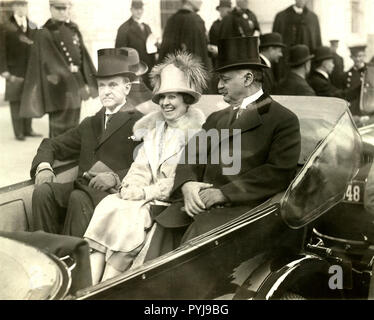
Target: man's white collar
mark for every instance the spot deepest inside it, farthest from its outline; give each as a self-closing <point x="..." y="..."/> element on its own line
<point x="324" y="73"/>
<point x="267" y="61"/>
<point x="249" y="100"/>
<point x="298" y="10"/>
<point x="108" y="112"/>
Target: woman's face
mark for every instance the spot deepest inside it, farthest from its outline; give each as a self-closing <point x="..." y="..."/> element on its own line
<point x="172" y="106"/>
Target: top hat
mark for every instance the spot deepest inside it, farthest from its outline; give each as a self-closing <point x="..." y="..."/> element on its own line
<point x="60" y="3"/>
<point x="180" y="72"/>
<point x="322" y="53"/>
<point x="240" y="52"/>
<point x="137" y="4"/>
<point x="356" y="49"/>
<point x="122" y="61"/>
<point x="273" y="39"/>
<point x="298" y="55"/>
<point x="224" y="4"/>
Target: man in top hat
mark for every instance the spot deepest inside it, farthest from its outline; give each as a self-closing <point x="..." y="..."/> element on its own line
<point x="103" y="146"/>
<point x="271" y="50"/>
<point x="295" y="83"/>
<point x="355" y="76"/>
<point x="319" y="79"/>
<point x="263" y="137"/>
<point x="60" y="73"/>
<point x="135" y="34"/>
<point x="337" y="75"/>
<point x="16" y="40"/>
<point x="185" y="30"/>
<point x="240" y="22"/>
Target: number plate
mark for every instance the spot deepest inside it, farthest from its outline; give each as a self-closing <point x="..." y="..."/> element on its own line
<point x="355" y="192"/>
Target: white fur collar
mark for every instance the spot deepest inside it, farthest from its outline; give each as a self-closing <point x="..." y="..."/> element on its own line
<point x="193" y="119"/>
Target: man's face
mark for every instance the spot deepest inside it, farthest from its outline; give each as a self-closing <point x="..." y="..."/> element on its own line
<point x="301" y="3"/>
<point x="172" y="106"/>
<point x="328" y="65"/>
<point x="359" y="59"/>
<point x="137" y="13"/>
<point x="232" y="86"/>
<point x="243" y="4"/>
<point x="196" y="4"/>
<point x="223" y="11"/>
<point x="275" y="54"/>
<point x="113" y="91"/>
<point x="334" y="46"/>
<point x="20" y="9"/>
<point x="308" y="67"/>
<point x="60" y="13"/>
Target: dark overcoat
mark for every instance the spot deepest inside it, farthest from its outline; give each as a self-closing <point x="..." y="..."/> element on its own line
<point x="268" y="157"/>
<point x="337" y="75"/>
<point x="351" y="79"/>
<point x="89" y="143"/>
<point x="131" y="35"/>
<point x="185" y="30"/>
<point x="294" y="85"/>
<point x="324" y="88"/>
<point x="50" y="86"/>
<point x="269" y="82"/>
<point x="14" y="54"/>
<point x="239" y="23"/>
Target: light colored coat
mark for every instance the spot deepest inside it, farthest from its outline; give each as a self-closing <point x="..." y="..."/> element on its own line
<point x="120" y="225"/>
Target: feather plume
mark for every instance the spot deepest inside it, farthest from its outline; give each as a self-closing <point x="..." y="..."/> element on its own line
<point x="192" y="67"/>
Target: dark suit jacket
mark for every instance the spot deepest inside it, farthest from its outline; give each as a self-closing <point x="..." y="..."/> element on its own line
<point x="14" y="54"/>
<point x="337" y="76"/>
<point x="353" y="79"/>
<point x="89" y="143"/>
<point x="294" y="85"/>
<point x="324" y="88"/>
<point x="131" y="35"/>
<point x="269" y="82"/>
<point x="270" y="149"/>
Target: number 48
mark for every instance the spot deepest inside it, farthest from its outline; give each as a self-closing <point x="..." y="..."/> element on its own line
<point x="353" y="193"/>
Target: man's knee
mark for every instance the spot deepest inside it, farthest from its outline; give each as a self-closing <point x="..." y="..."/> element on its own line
<point x="42" y="193"/>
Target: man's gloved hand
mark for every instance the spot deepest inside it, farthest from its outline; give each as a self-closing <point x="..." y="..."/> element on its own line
<point x="102" y="181"/>
<point x="212" y="197"/>
<point x="44" y="176"/>
<point x="132" y="193"/>
<point x="193" y="205"/>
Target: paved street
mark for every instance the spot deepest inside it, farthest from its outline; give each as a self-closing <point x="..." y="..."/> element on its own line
<point x="16" y="156"/>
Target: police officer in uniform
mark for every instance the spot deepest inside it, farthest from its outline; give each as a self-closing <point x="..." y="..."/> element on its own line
<point x="61" y="73"/>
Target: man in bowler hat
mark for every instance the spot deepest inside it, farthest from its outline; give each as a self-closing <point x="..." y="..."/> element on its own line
<point x="295" y="83"/>
<point x="271" y="50"/>
<point x="16" y="38"/>
<point x="206" y="196"/>
<point x="103" y="146"/>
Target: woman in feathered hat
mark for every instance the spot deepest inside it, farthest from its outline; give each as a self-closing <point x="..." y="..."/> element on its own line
<point x="121" y="221"/>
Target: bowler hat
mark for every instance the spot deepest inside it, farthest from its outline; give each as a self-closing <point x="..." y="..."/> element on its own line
<point x="356" y="49"/>
<point x="121" y="61"/>
<point x="137" y="4"/>
<point x="298" y="55"/>
<point x="60" y="3"/>
<point x="273" y="39"/>
<point x="224" y="4"/>
<point x="322" y="53"/>
<point x="240" y="52"/>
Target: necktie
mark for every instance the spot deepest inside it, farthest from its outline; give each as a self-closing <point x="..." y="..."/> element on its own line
<point x="108" y="118"/>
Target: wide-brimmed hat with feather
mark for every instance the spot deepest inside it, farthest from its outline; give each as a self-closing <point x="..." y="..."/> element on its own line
<point x="180" y="72"/>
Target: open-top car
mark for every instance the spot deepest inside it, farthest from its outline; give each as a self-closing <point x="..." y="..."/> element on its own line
<point x="262" y="254"/>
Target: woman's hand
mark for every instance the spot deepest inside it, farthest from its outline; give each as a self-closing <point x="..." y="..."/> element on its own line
<point x="132" y="193"/>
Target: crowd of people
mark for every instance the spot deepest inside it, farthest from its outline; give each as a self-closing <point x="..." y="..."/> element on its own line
<point x="131" y="184"/>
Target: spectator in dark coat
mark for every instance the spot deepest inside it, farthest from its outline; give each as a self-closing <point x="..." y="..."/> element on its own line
<point x="271" y="46"/>
<point x="16" y="38"/>
<point x="319" y="79"/>
<point x="337" y="76"/>
<point x="134" y="34"/>
<point x="185" y="30"/>
<point x="295" y="83"/>
<point x="240" y="22"/>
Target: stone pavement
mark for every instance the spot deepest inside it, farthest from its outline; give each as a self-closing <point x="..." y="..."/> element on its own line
<point x="16" y="156"/>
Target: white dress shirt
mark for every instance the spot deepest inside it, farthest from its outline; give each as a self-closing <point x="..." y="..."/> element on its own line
<point x="267" y="61"/>
<point x="109" y="113"/>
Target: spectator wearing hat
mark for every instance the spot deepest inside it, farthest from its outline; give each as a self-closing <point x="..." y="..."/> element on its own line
<point x="355" y="76"/>
<point x="16" y="37"/>
<point x="60" y="73"/>
<point x="300" y="65"/>
<point x="319" y="80"/>
<point x="337" y="76"/>
<point x="185" y="30"/>
<point x="103" y="146"/>
<point x="271" y="50"/>
<point x="135" y="34"/>
<point x="267" y="157"/>
<point x="240" y="22"/>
